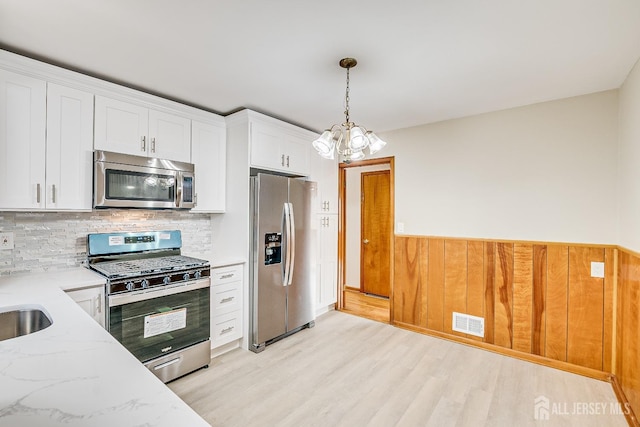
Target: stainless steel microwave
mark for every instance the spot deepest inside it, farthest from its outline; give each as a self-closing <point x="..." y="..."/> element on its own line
<point x="127" y="181"/>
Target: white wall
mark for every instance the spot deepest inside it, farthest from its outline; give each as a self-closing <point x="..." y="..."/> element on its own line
<point x="353" y="219"/>
<point x="543" y="172"/>
<point x="629" y="162"/>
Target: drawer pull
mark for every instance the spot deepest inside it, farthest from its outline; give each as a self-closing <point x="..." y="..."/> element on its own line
<point x="226" y="330"/>
<point x="227" y="276"/>
<point x="227" y="299"/>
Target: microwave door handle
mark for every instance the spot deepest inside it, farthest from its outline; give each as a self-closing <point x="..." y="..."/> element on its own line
<point x="292" y="243"/>
<point x="178" y="189"/>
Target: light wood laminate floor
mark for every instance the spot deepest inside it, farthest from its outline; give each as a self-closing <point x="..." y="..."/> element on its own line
<point x="351" y="371"/>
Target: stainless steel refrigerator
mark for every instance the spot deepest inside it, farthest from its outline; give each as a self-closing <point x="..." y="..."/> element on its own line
<point x="282" y="269"/>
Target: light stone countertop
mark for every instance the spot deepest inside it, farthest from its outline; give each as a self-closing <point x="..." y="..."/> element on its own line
<point x="74" y="373"/>
<point x="216" y="261"/>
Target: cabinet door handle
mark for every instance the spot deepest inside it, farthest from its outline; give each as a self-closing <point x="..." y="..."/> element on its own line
<point x="227" y="299"/>
<point x="38" y="193"/>
<point x="53" y="193"/>
<point x="98" y="304"/>
<point x="282" y="160"/>
<point x="153" y="145"/>
<point x="226" y="330"/>
<point x="144" y="143"/>
<point x="328" y="206"/>
<point x="287" y="161"/>
<point x="226" y="276"/>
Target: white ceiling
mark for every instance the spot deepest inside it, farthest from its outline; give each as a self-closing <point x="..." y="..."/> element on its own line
<point x="419" y="61"/>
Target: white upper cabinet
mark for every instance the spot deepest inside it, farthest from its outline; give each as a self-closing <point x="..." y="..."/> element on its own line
<point x="22" y="141"/>
<point x="169" y="136"/>
<point x="208" y="151"/>
<point x="48" y="145"/>
<point x="128" y="128"/>
<point x="325" y="173"/>
<point x="69" y="165"/>
<point x="279" y="147"/>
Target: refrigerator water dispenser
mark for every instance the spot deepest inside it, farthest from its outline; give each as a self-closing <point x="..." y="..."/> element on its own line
<point x="272" y="250"/>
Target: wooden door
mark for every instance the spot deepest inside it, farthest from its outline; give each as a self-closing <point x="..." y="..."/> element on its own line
<point x="375" y="255"/>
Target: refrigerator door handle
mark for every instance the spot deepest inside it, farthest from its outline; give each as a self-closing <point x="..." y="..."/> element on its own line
<point x="292" y="244"/>
<point x="287" y="252"/>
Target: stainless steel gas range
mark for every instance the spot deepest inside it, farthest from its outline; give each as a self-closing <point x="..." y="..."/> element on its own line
<point x="158" y="300"/>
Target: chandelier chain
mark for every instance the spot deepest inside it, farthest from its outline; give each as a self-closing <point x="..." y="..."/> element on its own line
<point x="346" y="99"/>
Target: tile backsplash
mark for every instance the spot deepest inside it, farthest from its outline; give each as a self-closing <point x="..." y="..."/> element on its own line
<point x="47" y="241"/>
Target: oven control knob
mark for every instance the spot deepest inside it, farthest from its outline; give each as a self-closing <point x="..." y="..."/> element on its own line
<point x="145" y="283"/>
<point x="197" y="275"/>
<point x="130" y="286"/>
<point x="166" y="280"/>
<point x="185" y="276"/>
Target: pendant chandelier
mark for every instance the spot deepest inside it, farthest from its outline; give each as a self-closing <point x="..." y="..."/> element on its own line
<point x="348" y="140"/>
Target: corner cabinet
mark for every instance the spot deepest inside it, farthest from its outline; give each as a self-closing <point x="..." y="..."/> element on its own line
<point x="129" y="128"/>
<point x="208" y="151"/>
<point x="47" y="138"/>
<point x="92" y="301"/>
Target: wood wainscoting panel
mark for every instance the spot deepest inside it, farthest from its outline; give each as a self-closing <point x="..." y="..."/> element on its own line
<point x="409" y="286"/>
<point x="475" y="281"/>
<point x="455" y="282"/>
<point x="556" y="305"/>
<point x="522" y="297"/>
<point x="503" y="315"/>
<point x="489" y="290"/>
<point x="610" y="265"/>
<point x="585" y="308"/>
<point x="535" y="298"/>
<point x="435" y="285"/>
<point x="628" y="327"/>
<point x="539" y="299"/>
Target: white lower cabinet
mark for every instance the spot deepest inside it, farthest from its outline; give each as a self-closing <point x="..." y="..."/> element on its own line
<point x="226" y="304"/>
<point x="327" y="269"/>
<point x="91" y="300"/>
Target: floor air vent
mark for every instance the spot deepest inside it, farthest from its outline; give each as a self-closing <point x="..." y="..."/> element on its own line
<point x="468" y="324"/>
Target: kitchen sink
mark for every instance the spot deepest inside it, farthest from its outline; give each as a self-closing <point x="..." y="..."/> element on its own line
<point x="22" y="320"/>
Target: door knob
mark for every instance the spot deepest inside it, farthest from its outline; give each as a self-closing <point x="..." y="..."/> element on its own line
<point x="365" y="241"/>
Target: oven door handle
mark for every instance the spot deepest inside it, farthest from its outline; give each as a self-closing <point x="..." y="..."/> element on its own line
<point x="128" y="298"/>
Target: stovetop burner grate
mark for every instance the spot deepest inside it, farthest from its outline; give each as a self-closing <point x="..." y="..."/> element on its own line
<point x="139" y="267"/>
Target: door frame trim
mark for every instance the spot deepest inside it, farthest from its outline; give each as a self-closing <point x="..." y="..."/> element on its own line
<point x="342" y="224"/>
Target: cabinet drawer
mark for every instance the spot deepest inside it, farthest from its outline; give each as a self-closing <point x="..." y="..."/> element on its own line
<point x="226" y="297"/>
<point x="226" y="275"/>
<point x="226" y="328"/>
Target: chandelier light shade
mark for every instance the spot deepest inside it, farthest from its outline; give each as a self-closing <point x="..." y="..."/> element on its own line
<point x="348" y="141"/>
